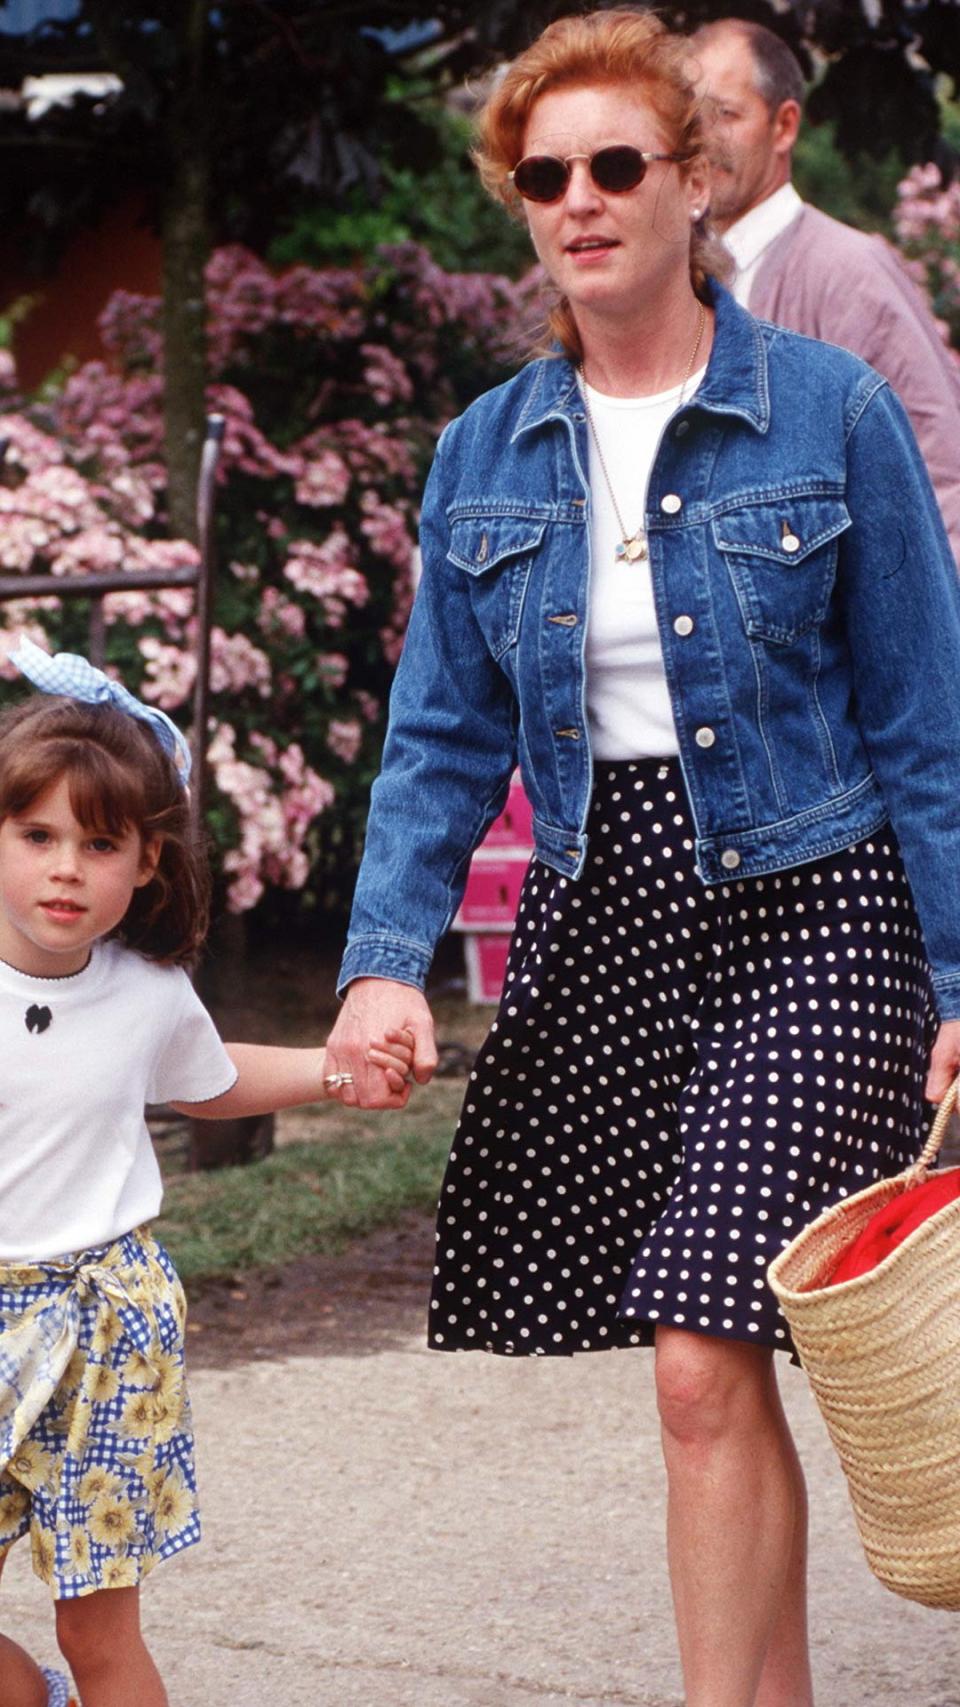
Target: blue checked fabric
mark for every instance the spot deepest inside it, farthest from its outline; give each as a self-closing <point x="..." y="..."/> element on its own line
<point x="58" y="1689"/>
<point x="72" y="676"/>
<point x="103" y="1478"/>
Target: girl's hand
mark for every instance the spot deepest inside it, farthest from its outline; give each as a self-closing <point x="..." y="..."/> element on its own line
<point x="394" y="1053"/>
<point x="944" y="1061"/>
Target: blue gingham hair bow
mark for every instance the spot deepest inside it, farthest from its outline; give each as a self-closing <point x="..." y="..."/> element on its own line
<point x="66" y="673"/>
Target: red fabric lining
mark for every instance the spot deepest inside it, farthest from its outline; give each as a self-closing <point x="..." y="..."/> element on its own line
<point x="893" y="1223"/>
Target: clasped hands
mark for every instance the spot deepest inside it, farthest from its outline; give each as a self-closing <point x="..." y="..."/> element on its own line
<point x="380" y="1020"/>
<point x="377" y="1012"/>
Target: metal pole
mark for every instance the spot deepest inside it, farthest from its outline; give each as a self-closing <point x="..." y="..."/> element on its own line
<point x="98" y="632"/>
<point x="206" y="499"/>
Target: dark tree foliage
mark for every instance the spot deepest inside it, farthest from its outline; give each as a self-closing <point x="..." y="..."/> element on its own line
<point x="235" y="116"/>
<point x="289" y="99"/>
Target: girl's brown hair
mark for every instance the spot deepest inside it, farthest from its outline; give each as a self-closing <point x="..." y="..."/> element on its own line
<point x="617" y="47"/>
<point x="120" y="779"/>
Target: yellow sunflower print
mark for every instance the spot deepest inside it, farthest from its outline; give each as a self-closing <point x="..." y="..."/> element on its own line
<point x="103" y="1478"/>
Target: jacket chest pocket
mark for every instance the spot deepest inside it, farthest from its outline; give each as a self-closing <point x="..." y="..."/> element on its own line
<point x="782" y="558"/>
<point x="497" y="553"/>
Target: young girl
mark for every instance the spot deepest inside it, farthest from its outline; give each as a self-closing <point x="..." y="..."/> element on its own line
<point x="102" y="903"/>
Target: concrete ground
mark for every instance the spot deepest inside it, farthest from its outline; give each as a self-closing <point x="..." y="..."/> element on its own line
<point x="388" y="1527"/>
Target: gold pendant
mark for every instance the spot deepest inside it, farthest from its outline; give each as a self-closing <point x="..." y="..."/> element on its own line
<point x="632" y="549"/>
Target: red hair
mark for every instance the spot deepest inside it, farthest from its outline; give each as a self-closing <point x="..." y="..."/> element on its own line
<point x="617" y="47"/>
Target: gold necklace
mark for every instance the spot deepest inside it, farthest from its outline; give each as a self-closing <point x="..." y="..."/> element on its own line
<point x="633" y="546"/>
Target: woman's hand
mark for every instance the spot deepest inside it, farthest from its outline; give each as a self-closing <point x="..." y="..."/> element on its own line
<point x="374" y="1009"/>
<point x="944" y="1061"/>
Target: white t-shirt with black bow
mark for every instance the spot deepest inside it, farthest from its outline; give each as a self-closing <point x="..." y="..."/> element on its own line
<point x="80" y="1058"/>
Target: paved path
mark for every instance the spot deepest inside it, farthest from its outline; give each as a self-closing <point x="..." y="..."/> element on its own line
<point x="388" y="1527"/>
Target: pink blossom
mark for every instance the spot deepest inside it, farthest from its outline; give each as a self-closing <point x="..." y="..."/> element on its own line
<point x="173" y="606"/>
<point x="246" y="889"/>
<point x="27" y="446"/>
<point x="162" y="554"/>
<point x="367" y="704"/>
<point x="244" y="445"/>
<point x="133" y="608"/>
<point x="95" y="550"/>
<point x="344" y="736"/>
<point x="276" y="803"/>
<point x="280" y="616"/>
<point x="385" y="526"/>
<point x="314" y="522"/>
<point x="387" y="378"/>
<point x="236" y="664"/>
<point x="131" y="497"/>
<point x="22" y="538"/>
<point x="372" y="452"/>
<point x="293" y="765"/>
<point x="327" y="572"/>
<point x="325" y="480"/>
<point x="130" y="329"/>
<point x="265" y="745"/>
<point x="170" y="673"/>
<point x="222" y="746"/>
<point x="333" y="667"/>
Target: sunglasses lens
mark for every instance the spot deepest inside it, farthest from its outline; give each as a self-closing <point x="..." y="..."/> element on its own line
<point x="618" y="169"/>
<point x="541" y="177"/>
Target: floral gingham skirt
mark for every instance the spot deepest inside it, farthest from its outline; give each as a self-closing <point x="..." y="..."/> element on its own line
<point x="96" y="1446"/>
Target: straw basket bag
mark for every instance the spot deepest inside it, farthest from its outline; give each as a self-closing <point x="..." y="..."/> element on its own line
<point x="882" y="1353"/>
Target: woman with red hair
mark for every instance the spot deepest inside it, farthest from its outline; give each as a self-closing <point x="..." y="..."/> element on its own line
<point x="687" y="570"/>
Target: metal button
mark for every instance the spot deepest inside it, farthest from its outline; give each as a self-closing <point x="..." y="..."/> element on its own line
<point x="571" y="734"/>
<point x="680" y="429"/>
<point x="568" y="620"/>
<point x="671" y="504"/>
<point x="705" y="737"/>
<point x="572" y="853"/>
<point x="729" y="859"/>
<point x="790" y="542"/>
<point x="683" y="625"/>
<point x="484" y="550"/>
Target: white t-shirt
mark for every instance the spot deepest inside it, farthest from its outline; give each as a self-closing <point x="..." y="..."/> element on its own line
<point x="77" y="1167"/>
<point x="628" y="706"/>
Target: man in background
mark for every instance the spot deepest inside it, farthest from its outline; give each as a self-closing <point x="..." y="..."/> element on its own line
<point x="802" y="269"/>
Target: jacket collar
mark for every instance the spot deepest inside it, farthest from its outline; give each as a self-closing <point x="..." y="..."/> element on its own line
<point x="735" y="382"/>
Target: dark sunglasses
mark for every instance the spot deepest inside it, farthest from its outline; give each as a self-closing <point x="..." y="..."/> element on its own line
<point x="544" y="177"/>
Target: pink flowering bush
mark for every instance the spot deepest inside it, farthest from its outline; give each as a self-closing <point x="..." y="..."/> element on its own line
<point x="927" y="225"/>
<point x="334" y="385"/>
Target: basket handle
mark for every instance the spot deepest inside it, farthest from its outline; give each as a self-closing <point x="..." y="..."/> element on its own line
<point x="931" y="1148"/>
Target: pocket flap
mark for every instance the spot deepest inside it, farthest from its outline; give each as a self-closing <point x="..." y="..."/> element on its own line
<point x="785" y="530"/>
<point x="480" y="543"/>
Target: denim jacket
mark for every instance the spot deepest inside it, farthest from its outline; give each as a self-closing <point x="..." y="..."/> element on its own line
<point x="809" y="614"/>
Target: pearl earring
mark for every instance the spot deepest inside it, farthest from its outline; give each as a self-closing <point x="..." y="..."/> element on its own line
<point x="696" y="212"/>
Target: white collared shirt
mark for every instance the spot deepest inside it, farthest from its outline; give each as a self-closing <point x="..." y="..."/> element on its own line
<point x="749" y="238"/>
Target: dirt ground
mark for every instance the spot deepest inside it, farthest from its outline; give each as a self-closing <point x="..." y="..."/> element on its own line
<point x="389" y="1527"/>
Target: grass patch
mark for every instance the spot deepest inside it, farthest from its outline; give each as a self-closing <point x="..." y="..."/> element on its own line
<point x="356" y="1173"/>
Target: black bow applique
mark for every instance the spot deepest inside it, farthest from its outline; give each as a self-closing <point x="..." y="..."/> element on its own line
<point x="37" y="1019"/>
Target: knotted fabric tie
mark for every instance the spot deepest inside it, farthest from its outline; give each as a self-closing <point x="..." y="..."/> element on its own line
<point x="36" y="1348"/>
<point x="72" y="676"/>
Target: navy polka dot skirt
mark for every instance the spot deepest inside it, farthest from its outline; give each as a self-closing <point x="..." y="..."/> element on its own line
<point x="677" y="1080"/>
